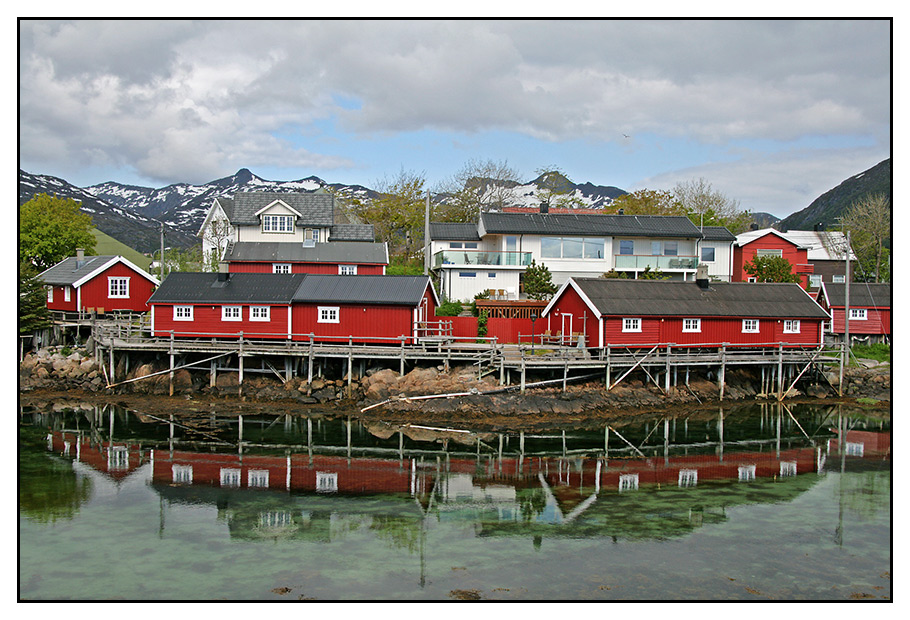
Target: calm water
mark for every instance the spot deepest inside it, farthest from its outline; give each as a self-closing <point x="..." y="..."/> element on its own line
<point x="752" y="503"/>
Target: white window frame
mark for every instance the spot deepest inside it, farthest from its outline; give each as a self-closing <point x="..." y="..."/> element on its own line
<point x="230" y="477"/>
<point x="50" y="294"/>
<point x="713" y="254"/>
<point x="630" y="324"/>
<point x="260" y="313"/>
<point x="257" y="478"/>
<point x="118" y="282"/>
<point x="815" y="280"/>
<point x="752" y="279"/>
<point x="118" y="457"/>
<point x="770" y="252"/>
<point x="278" y="224"/>
<point x="281" y="267"/>
<point x="182" y="474"/>
<point x="791" y="326"/>
<point x="787" y="468"/>
<point x="858" y="314"/>
<point x="326" y="482"/>
<point x="347" y="270"/>
<point x="746" y="473"/>
<point x="839" y="279"/>
<point x="66" y="293"/>
<point x="467" y="274"/>
<point x="854" y="448"/>
<point x="688" y="477"/>
<point x="689" y="327"/>
<point x="328" y="314"/>
<point x="183" y="313"/>
<point x="231" y="313"/>
<point x="628" y="482"/>
<point x="748" y="328"/>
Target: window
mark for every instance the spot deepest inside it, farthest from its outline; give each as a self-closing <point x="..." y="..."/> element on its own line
<point x="470" y="245"/>
<point x="769" y="252"/>
<point x="815" y="280"/>
<point x="278" y="223"/>
<point x="118" y="287"/>
<point x="66" y="293"/>
<point x="688" y="477"/>
<point x="631" y="325"/>
<point x="310" y="235"/>
<point x="671" y="248"/>
<point x="183" y="313"/>
<point x="551" y="247"/>
<point x="347" y="270"/>
<point x="182" y="474"/>
<point x="857" y="314"/>
<point x="326" y="482"/>
<point x="327" y="314"/>
<point x="750" y="326"/>
<point x="259" y="313"/>
<point x="791" y="327"/>
<point x="491" y="274"/>
<point x="467" y="274"/>
<point x="118" y="457"/>
<point x="455" y="245"/>
<point x="230" y="313"/>
<point x="50" y="294"/>
<point x="281" y="268"/>
<point x="787" y="468"/>
<point x="626" y="246"/>
<point x="707" y="255"/>
<point x="839" y="279"/>
<point x="276" y="519"/>
<point x="752" y="279"/>
<point x="746" y="473"/>
<point x="691" y="325"/>
<point x="257" y="478"/>
<point x="655" y="248"/>
<point x="628" y="482"/>
<point x="230" y="477"/>
<point x="854" y="449"/>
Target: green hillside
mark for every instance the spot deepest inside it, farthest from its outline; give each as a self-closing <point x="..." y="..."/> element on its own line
<point x="105" y="244"/>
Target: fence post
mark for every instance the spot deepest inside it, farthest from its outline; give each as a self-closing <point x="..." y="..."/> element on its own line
<point x="780" y="371"/>
<point x="723" y="367"/>
<point x="401" y="371"/>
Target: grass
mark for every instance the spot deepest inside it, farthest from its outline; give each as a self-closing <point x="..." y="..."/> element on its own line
<point x="877" y="352"/>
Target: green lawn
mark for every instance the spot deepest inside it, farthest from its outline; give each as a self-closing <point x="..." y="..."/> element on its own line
<point x="107" y="245"/>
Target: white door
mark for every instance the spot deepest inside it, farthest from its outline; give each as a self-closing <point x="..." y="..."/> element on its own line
<point x="566" y="328"/>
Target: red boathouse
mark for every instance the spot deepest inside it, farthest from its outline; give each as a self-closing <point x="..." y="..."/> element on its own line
<point x="97" y="283"/>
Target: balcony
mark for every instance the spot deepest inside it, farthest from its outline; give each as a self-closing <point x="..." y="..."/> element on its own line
<point x="664" y="263"/>
<point x="481" y="258"/>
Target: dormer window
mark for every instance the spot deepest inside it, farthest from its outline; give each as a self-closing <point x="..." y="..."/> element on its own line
<point x="278" y="223"/>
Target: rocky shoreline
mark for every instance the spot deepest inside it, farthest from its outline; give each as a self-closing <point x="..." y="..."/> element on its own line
<point x="75" y="373"/>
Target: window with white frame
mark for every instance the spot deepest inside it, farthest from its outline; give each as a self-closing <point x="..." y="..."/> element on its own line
<point x="626" y="247"/>
<point x="50" y="294"/>
<point x="66" y="293"/>
<point x="746" y="473"/>
<point x="787" y="468"/>
<point x="752" y="279"/>
<point x="688" y="477"/>
<point x="326" y="482"/>
<point x="327" y="314"/>
<point x="281" y="268"/>
<point x="231" y="313"/>
<point x="791" y="326"/>
<point x="118" y="287"/>
<point x="750" y="326"/>
<point x="707" y="255"/>
<point x="182" y="474"/>
<point x="467" y="274"/>
<point x="183" y="313"/>
<point x="118" y="457"/>
<point x="815" y="280"/>
<point x="857" y="314"/>
<point x="230" y="477"/>
<point x="628" y="482"/>
<point x="275" y="519"/>
<point x="257" y="478"/>
<point x="839" y="279"/>
<point x="769" y="252"/>
<point x="631" y="325"/>
<point x="571" y="247"/>
<point x="691" y="325"/>
<point x="671" y="248"/>
<point x="854" y="448"/>
<point x="347" y="270"/>
<point x="277" y="223"/>
<point x="259" y="313"/>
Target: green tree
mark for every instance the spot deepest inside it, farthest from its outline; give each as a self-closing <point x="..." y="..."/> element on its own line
<point x="51" y="228"/>
<point x="538" y="283"/>
<point x="33" y="313"/>
<point x="649" y="202"/>
<point x="657" y="274"/>
<point x="176" y="259"/>
<point x="397" y="214"/>
<point x="480" y="185"/>
<point x="771" y="269"/>
<point x="613" y="274"/>
<point x="709" y="207"/>
<point x="556" y="189"/>
<point x="869" y="223"/>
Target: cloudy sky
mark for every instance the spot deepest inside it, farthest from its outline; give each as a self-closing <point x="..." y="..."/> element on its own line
<point x="772" y="113"/>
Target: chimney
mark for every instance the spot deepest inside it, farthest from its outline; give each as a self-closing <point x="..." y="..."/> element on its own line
<point x="80" y="257"/>
<point x="223" y="273"/>
<point x="544" y="207"/>
<point x="622" y="212"/>
<point x="818" y="227"/>
<point x="701" y="276"/>
<point x="753" y="226"/>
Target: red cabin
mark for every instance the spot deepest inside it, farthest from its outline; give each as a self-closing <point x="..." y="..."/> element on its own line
<point x="769" y="243"/>
<point x="870" y="309"/>
<point x="97" y="283"/>
<point x="643" y="313"/>
<point x="346" y="258"/>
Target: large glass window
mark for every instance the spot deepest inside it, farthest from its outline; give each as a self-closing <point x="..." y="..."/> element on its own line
<point x="594" y="248"/>
<point x="572" y="247"/>
<point x="551" y="247"/>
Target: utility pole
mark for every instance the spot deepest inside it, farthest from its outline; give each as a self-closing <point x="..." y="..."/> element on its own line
<point x="847" y="279"/>
<point x="161" y="257"/>
<point x="426" y="237"/>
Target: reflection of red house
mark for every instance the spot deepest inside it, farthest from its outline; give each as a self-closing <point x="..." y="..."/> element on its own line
<point x="769" y="243"/>
<point x="100" y="283"/>
<point x="117" y="460"/>
<point x="862" y="443"/>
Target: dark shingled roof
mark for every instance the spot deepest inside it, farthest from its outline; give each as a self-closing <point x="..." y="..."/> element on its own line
<point x="384" y="290"/>
<point x="718" y="233"/>
<point x="602" y="225"/>
<point x="861" y="294"/>
<point x="316" y="210"/>
<point x="227" y="205"/>
<point x="331" y="252"/>
<point x="239" y="288"/>
<point x="451" y="231"/>
<point x="352" y="232"/>
<point x="635" y="298"/>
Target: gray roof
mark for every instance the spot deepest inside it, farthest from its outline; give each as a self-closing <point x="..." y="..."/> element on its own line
<point x="601" y="225"/>
<point x="862" y="294"/>
<point x="452" y="231"/>
<point x="227" y="205"/>
<point x="352" y="232"/>
<point x="718" y="233"/>
<point x="332" y="252"/>
<point x="67" y="271"/>
<point x="636" y="298"/>
<point x="382" y="290"/>
<point x="239" y="288"/>
<point x="316" y="209"/>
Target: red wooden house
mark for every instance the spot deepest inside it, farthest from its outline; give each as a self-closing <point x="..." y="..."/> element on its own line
<point x="333" y="257"/>
<point x="870" y="310"/>
<point x="99" y="283"/>
<point x="643" y="313"/>
<point x="769" y="242"/>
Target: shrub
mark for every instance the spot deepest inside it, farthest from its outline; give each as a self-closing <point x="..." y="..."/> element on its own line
<point x="449" y="308"/>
